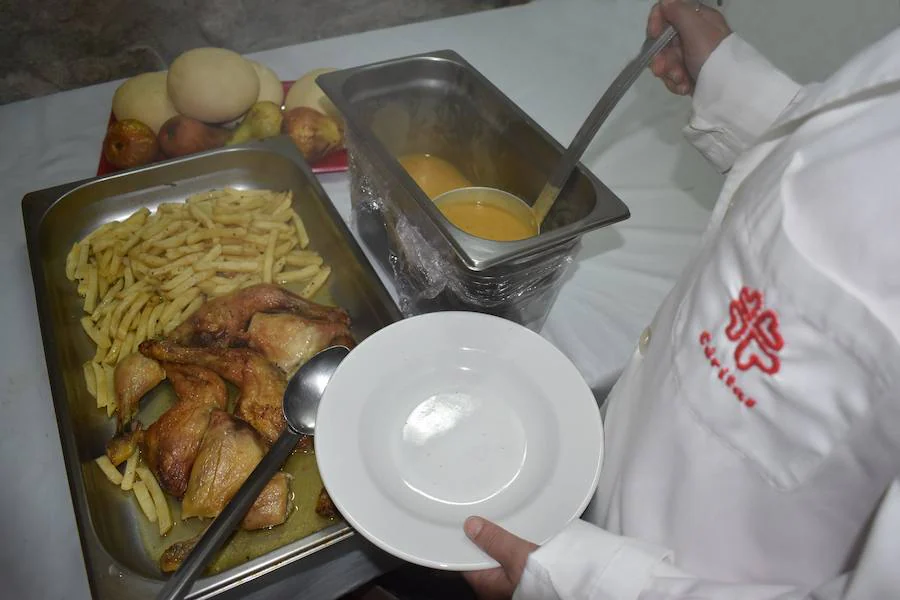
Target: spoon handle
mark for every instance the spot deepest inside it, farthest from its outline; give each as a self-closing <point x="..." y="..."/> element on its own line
<point x="599" y="114"/>
<point x="222" y="527"/>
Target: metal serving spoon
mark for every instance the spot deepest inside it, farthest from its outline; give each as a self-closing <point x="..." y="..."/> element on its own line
<point x="599" y="114"/>
<point x="563" y="169"/>
<point x="301" y="403"/>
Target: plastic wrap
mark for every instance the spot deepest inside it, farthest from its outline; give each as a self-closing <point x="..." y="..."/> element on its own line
<point x="427" y="273"/>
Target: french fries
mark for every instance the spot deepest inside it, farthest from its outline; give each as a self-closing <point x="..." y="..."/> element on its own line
<point x="163" y="516"/>
<point x="269" y="256"/>
<point x="141" y="277"/>
<point x="109" y="378"/>
<point x="316" y="282"/>
<point x="109" y="469"/>
<point x="130" y="471"/>
<point x="299" y="275"/>
<point x="303" y="258"/>
<point x="140" y="480"/>
<point x="145" y="501"/>
<point x="302" y="236"/>
<point x="100" y="386"/>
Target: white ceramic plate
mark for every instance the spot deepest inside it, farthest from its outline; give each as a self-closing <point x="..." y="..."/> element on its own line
<point x="446" y="415"/>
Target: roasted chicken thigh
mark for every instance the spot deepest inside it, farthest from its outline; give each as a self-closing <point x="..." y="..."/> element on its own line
<point x="223" y="321"/>
<point x="261" y="384"/>
<point x="230" y="451"/>
<point x="289" y="340"/>
<point x="170" y="445"/>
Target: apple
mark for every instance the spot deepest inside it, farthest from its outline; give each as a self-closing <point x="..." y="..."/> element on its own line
<point x="130" y="143"/>
<point x="182" y="135"/>
<point x="315" y="134"/>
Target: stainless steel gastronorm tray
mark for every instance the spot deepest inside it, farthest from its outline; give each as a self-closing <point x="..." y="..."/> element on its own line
<point x="55" y="218"/>
<point x="437" y="103"/>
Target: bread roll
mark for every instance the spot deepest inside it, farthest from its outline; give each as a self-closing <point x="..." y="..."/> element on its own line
<point x="306" y="92"/>
<point x="145" y="99"/>
<point x="212" y="85"/>
<point x="270" y="88"/>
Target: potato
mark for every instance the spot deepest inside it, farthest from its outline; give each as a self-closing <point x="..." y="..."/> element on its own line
<point x="183" y="135"/>
<point x="306" y="92"/>
<point x="270" y="88"/>
<point x="213" y="85"/>
<point x="144" y="98"/>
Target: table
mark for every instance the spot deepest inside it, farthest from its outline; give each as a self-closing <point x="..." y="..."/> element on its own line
<point x="554" y="58"/>
<point x="620" y="276"/>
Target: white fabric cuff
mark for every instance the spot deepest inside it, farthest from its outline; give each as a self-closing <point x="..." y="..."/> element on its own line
<point x="739" y="95"/>
<point x="585" y="561"/>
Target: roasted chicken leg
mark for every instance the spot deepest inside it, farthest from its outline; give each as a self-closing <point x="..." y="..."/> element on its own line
<point x="170" y="445"/>
<point x="135" y="375"/>
<point x="325" y="507"/>
<point x="223" y="321"/>
<point x="120" y="448"/>
<point x="261" y="383"/>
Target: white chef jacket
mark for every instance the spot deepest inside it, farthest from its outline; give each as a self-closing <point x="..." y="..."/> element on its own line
<point x="753" y="441"/>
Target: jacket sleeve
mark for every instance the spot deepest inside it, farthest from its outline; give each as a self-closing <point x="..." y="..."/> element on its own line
<point x="739" y="95"/>
<point x="585" y="562"/>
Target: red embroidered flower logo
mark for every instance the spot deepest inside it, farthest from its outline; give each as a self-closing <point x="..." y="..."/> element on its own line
<point x="756" y="330"/>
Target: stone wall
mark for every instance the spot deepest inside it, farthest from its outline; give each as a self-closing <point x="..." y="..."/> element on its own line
<point x="52" y="45"/>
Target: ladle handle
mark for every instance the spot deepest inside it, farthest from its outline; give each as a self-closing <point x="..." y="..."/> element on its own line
<point x="222" y="527"/>
<point x="602" y="110"/>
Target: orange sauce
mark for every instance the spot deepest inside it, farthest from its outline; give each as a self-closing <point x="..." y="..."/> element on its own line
<point x="494" y="217"/>
<point x="433" y="174"/>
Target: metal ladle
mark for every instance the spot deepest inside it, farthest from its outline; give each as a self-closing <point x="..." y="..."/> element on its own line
<point x="301" y="403"/>
<point x="563" y="170"/>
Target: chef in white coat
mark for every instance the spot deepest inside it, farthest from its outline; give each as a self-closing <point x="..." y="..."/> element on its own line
<point x="753" y="441"/>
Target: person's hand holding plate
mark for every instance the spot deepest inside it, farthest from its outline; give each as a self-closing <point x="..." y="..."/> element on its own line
<point x="509" y="550"/>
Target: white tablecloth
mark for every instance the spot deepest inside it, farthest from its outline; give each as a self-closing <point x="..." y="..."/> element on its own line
<point x="554" y="58"/>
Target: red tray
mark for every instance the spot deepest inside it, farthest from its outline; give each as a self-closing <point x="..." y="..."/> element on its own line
<point x="333" y="163"/>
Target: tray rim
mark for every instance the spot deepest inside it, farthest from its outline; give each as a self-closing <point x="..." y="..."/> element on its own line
<point x="102" y="569"/>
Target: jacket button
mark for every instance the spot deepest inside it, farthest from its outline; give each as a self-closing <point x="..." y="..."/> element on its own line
<point x="644" y="342"/>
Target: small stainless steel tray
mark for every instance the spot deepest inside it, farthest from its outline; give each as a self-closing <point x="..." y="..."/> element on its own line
<point x="55" y="218"/>
<point x="437" y="103"/>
